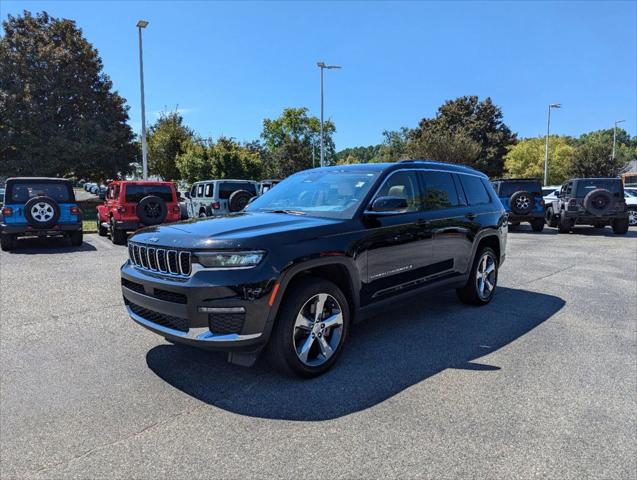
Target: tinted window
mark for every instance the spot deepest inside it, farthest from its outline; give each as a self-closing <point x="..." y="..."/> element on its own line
<point x="548" y="191"/>
<point x="193" y="190"/>
<point x="208" y="192"/>
<point x="404" y="185"/>
<point x="440" y="190"/>
<point x="590" y="184"/>
<point x="200" y="190"/>
<point x="228" y="188"/>
<point x="331" y="193"/>
<point x="508" y="188"/>
<point x="475" y="190"/>
<point x="134" y="193"/>
<point x="22" y="192"/>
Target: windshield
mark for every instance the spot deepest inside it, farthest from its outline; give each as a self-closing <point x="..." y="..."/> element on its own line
<point x="509" y="188"/>
<point x="331" y="193"/>
<point x="590" y="184"/>
<point x="134" y="193"/>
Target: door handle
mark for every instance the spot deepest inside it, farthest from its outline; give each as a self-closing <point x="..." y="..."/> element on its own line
<point x="471" y="216"/>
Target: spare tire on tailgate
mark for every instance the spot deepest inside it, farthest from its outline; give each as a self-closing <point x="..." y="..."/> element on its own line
<point x="42" y="212"/>
<point x="151" y="210"/>
<point x="521" y="202"/>
<point x="598" y="202"/>
<point x="238" y="200"/>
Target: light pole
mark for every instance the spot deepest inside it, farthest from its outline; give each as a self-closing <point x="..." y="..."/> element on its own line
<point x="615" y="136"/>
<point x="322" y="66"/>
<point x="546" y="147"/>
<point x="143" y="24"/>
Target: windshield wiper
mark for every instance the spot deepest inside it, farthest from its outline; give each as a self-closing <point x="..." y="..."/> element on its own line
<point x="289" y="212"/>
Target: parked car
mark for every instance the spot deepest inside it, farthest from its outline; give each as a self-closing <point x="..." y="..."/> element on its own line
<point x="88" y="186"/>
<point x="94" y="189"/>
<point x="1" y="196"/>
<point x="522" y="199"/>
<point x="549" y="194"/>
<point x="40" y="207"/>
<point x="631" y="205"/>
<point x="183" y="205"/>
<point x="102" y="192"/>
<point x="292" y="271"/>
<point x="589" y="201"/>
<point x="220" y="197"/>
<point x="131" y="205"/>
<point x="265" y="185"/>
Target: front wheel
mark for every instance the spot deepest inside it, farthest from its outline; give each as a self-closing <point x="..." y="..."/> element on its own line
<point x="483" y="279"/>
<point x="311" y="328"/>
<point x="551" y="220"/>
<point x="101" y="231"/>
<point x="632" y="217"/>
<point x="118" y="236"/>
<point x="565" y="225"/>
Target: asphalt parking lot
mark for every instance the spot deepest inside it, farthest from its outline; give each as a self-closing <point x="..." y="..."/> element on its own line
<point x="540" y="383"/>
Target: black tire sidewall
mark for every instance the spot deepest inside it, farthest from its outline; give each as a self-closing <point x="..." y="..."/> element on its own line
<point x="235" y="201"/>
<point x="144" y="218"/>
<point x="281" y="343"/>
<point x="35" y="223"/>
<point x="590" y="196"/>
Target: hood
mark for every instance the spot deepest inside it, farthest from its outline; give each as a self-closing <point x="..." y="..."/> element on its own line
<point x="240" y="230"/>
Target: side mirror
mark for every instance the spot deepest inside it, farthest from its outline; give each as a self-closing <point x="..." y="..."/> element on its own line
<point x="187" y="194"/>
<point x="389" y="204"/>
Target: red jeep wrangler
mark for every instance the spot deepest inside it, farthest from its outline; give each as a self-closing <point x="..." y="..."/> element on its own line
<point x="131" y="205"/>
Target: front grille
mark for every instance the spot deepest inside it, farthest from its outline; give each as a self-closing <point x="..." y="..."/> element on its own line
<point x="164" y="320"/>
<point x="223" y="323"/>
<point x="162" y="260"/>
<point x="136" y="287"/>
<point x="169" y="296"/>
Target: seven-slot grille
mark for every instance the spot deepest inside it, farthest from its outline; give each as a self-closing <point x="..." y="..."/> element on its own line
<point x="162" y="260"/>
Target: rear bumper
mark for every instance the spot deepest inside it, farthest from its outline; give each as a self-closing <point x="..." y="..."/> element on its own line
<point x="586" y="218"/>
<point x="28" y="230"/>
<point x="525" y="218"/>
<point x="210" y="309"/>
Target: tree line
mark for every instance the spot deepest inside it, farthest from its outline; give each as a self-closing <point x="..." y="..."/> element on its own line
<point x="60" y="116"/>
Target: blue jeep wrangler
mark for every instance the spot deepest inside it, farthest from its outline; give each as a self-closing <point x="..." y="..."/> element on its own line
<point x="39" y="207"/>
<point x="523" y="201"/>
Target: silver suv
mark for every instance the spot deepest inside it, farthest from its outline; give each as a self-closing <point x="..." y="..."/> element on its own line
<point x="209" y="198"/>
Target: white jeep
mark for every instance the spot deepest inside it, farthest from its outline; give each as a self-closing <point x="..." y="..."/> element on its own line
<point x="209" y="198"/>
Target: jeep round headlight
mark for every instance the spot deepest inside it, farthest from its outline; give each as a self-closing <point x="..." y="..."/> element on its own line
<point x="229" y="259"/>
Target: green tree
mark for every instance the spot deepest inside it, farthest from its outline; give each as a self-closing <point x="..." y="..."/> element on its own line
<point x="526" y="158"/>
<point x="58" y="113"/>
<point x="451" y="147"/>
<point x="292" y="140"/>
<point x="479" y="121"/>
<point x="394" y="146"/>
<point x="593" y="156"/>
<point x="167" y="139"/>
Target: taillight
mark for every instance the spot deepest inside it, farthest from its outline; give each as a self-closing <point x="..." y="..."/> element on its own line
<point x="216" y="205"/>
<point x="121" y="209"/>
<point x="542" y="202"/>
<point x="7" y="211"/>
<point x="75" y="210"/>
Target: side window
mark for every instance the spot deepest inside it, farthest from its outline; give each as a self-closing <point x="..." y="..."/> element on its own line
<point x="115" y="192"/>
<point x="193" y="190"/>
<point x="496" y="186"/>
<point x="439" y="190"/>
<point x="569" y="188"/>
<point x="475" y="190"/>
<point x="200" y="190"/>
<point x="209" y="189"/>
<point x="402" y="184"/>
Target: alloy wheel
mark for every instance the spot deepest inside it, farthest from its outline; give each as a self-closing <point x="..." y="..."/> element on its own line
<point x="632" y="217"/>
<point x="522" y="202"/>
<point x="42" y="212"/>
<point x="318" y="330"/>
<point x="486" y="276"/>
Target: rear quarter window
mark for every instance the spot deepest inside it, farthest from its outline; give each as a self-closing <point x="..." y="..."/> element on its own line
<point x="134" y="193"/>
<point x="475" y="190"/>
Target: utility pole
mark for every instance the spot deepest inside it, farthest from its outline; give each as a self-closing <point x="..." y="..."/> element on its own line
<point x="546" y="147"/>
<point x="143" y="24"/>
<point x="322" y="66"/>
<point x="615" y="137"/>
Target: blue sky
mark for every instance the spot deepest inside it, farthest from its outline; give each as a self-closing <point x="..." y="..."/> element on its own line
<point x="229" y="65"/>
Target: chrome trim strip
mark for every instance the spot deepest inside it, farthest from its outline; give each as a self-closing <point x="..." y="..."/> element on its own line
<point x="221" y="309"/>
<point x="202" y="335"/>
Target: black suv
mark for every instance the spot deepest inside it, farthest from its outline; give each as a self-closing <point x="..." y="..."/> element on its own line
<point x="324" y="247"/>
<point x="589" y="201"/>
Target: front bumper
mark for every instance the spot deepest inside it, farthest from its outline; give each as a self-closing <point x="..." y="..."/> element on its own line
<point x="190" y="310"/>
<point x="28" y="230"/>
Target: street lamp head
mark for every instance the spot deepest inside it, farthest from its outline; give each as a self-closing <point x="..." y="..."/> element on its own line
<point x="555" y="105"/>
<point x="329" y="67"/>
<point x="619" y="121"/>
<point x="142" y="24"/>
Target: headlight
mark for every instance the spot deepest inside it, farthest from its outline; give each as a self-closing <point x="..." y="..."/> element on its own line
<point x="229" y="259"/>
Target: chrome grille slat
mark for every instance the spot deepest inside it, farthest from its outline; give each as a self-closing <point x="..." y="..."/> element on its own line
<point x="171" y="262"/>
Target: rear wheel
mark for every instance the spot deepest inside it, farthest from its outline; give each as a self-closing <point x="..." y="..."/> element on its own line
<point x="7" y="242"/>
<point x="311" y="328"/>
<point x="483" y="279"/>
<point x="537" y="225"/>
<point x="76" y="238"/>
<point x="620" y="226"/>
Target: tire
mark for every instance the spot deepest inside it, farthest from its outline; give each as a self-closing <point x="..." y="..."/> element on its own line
<point x="42" y="212"/>
<point x="551" y="219"/>
<point x="151" y="210"/>
<point x="632" y="216"/>
<point x="537" y="225"/>
<point x="7" y="242"/>
<point x="522" y="202"/>
<point x="289" y="337"/>
<point x="202" y="214"/>
<point x="238" y="200"/>
<point x="598" y="202"/>
<point x="476" y="292"/>
<point x="118" y="236"/>
<point x="514" y="224"/>
<point x="620" y="226"/>
<point x="183" y="212"/>
<point x="101" y="231"/>
<point x="564" y="225"/>
<point x="76" y="238"/>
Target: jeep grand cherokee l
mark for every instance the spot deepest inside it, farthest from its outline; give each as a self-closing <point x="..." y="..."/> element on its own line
<point x="300" y="263"/>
